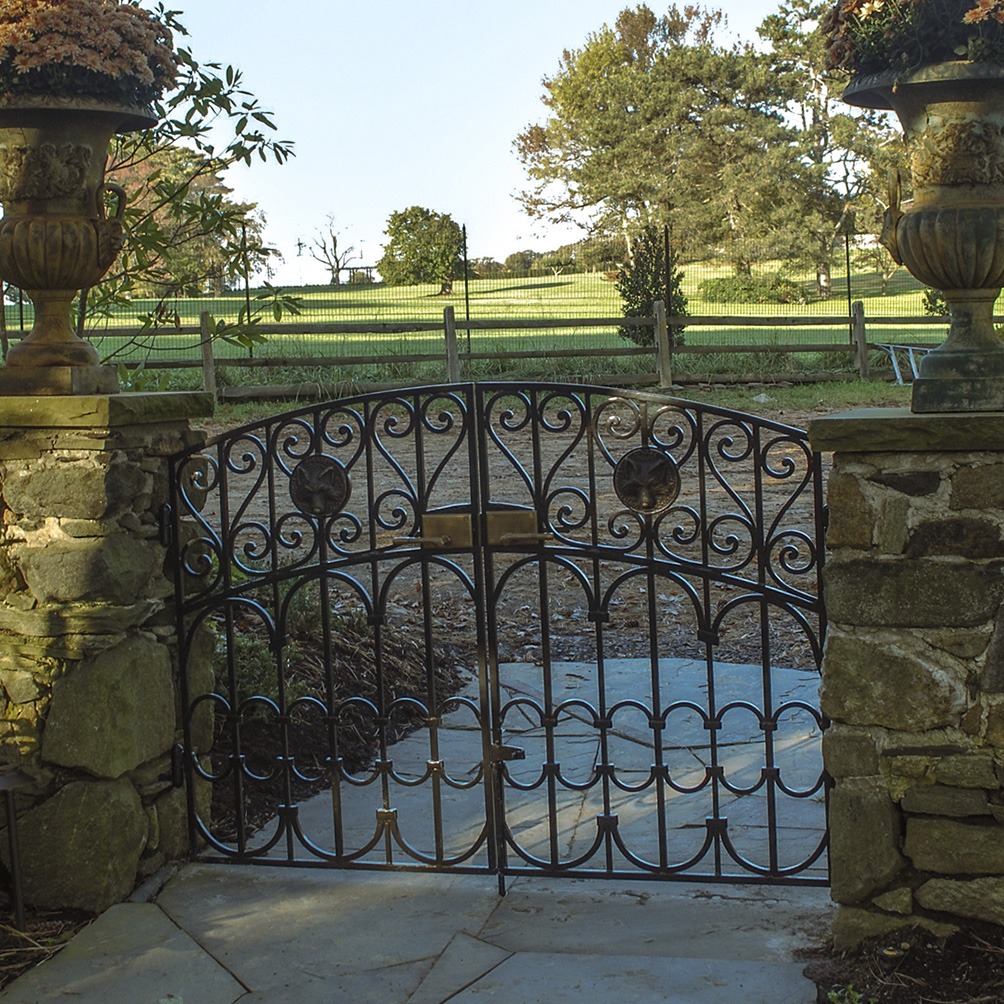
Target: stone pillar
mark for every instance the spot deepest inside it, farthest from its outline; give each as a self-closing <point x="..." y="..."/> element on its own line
<point x="913" y="672"/>
<point x="88" y="674"/>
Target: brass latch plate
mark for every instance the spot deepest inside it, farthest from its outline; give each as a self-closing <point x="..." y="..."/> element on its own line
<point x="510" y="526"/>
<point x="457" y="526"/>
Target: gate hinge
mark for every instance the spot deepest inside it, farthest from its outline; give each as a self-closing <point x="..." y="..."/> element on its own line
<point x="178" y="765"/>
<point x="166" y="524"/>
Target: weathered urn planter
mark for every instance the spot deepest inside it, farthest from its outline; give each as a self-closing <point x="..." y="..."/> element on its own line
<point x="56" y="236"/>
<point x="951" y="236"/>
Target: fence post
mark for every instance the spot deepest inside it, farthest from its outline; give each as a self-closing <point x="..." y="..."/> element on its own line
<point x="860" y="336"/>
<point x="452" y="357"/>
<point x="663" y="355"/>
<point x="208" y="362"/>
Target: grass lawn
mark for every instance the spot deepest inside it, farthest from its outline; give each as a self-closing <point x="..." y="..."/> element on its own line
<point x="539" y="297"/>
<point x="546" y="295"/>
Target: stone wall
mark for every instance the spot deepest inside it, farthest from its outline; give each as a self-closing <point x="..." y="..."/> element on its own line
<point x="913" y="673"/>
<point x="88" y="678"/>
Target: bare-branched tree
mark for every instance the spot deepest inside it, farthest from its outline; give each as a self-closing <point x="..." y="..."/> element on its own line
<point x="327" y="248"/>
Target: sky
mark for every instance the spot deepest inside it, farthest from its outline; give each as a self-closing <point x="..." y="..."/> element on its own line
<point x="393" y="103"/>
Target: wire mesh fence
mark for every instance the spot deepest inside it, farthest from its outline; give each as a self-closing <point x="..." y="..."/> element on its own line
<point x="747" y="309"/>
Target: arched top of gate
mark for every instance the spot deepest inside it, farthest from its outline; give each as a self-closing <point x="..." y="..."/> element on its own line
<point x="636" y="477"/>
<point x="422" y="401"/>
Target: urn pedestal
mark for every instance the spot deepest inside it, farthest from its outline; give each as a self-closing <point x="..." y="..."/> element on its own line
<point x="56" y="235"/>
<point x="951" y="236"/>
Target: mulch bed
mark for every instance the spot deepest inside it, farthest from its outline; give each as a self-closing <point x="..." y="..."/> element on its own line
<point x="44" y="935"/>
<point x="913" y="966"/>
<point x="354" y="674"/>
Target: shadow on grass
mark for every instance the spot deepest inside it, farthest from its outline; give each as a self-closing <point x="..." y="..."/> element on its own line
<point x="527" y="285"/>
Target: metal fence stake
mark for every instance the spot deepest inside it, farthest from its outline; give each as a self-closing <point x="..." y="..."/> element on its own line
<point x="663" y="355"/>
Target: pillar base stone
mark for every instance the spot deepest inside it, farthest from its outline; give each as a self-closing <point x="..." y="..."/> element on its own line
<point x="913" y="666"/>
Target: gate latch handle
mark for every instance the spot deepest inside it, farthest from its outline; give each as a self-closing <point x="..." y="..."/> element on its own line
<point x="525" y="538"/>
<point x="503" y="752"/>
<point x="443" y="541"/>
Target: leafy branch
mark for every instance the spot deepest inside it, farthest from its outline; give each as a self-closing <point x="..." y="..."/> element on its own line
<point x="184" y="232"/>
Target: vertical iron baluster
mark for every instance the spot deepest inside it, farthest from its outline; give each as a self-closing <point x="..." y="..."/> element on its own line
<point x="378" y="619"/>
<point x="598" y="618"/>
<point x="714" y="769"/>
<point x="490" y="685"/>
<point x="656" y="724"/>
<point x="550" y="717"/>
<point x="227" y="536"/>
<point x="284" y="760"/>
<point x="767" y="722"/>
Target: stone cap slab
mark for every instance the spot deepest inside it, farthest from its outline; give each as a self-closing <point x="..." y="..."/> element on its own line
<point x="103" y="411"/>
<point x="898" y="430"/>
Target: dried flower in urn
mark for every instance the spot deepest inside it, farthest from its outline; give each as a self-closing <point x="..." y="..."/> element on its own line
<point x="872" y="36"/>
<point x="104" y="49"/>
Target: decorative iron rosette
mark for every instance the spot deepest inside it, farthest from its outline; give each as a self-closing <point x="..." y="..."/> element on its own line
<point x="647" y="481"/>
<point x="319" y="486"/>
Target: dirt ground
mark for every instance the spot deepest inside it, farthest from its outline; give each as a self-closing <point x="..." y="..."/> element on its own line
<point x="516" y="610"/>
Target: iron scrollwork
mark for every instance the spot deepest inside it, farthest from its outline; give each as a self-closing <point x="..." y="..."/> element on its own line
<point x="696" y="525"/>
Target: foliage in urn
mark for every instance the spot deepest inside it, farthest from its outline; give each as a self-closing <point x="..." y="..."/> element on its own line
<point x="104" y="66"/>
<point x="873" y="36"/>
<point x="100" y="49"/>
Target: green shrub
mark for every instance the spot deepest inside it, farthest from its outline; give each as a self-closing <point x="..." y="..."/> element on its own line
<point x="752" y="289"/>
<point x="848" y="995"/>
<point x="644" y="281"/>
<point x="935" y="304"/>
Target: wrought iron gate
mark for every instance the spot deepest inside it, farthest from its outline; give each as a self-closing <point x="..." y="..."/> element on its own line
<point x="580" y="630"/>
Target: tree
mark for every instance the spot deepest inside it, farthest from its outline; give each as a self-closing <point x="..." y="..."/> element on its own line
<point x="423" y="246"/>
<point x="602" y="252"/>
<point x="876" y="258"/>
<point x="176" y="199"/>
<point x="325" y="249"/>
<point x="486" y="267"/>
<point x="173" y="248"/>
<point x="555" y="261"/>
<point x="520" y="261"/>
<point x="654" y="121"/>
<point x="844" y="155"/>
